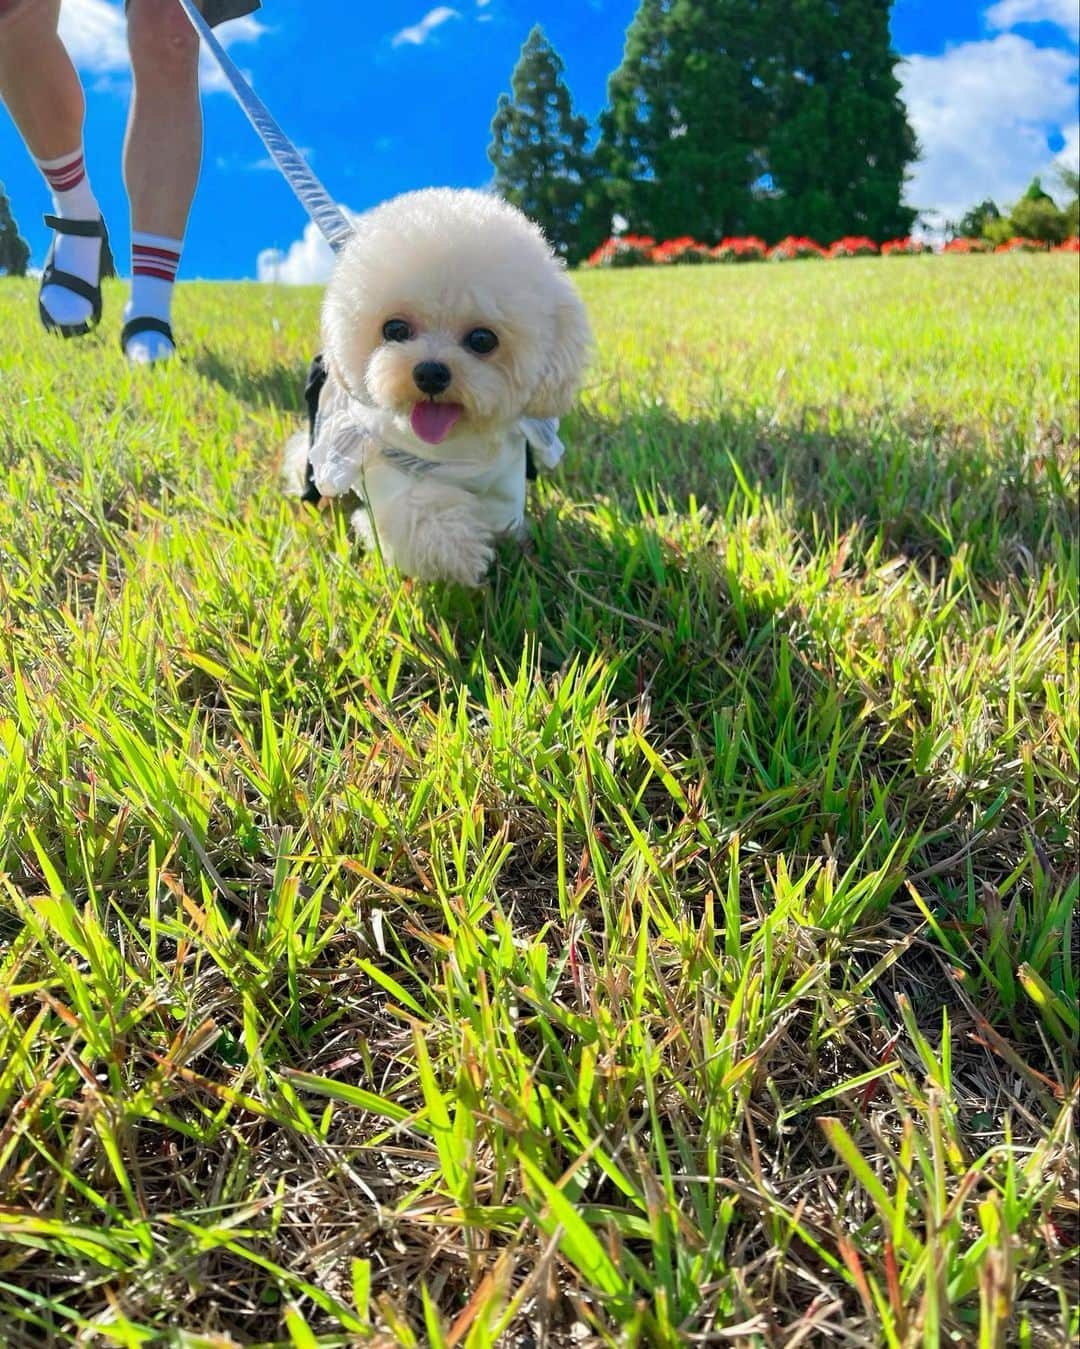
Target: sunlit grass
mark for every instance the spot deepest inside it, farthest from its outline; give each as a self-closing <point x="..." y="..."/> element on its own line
<point x="675" y="937"/>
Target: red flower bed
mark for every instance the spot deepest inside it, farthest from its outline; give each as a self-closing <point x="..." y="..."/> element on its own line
<point x="635" y="250"/>
<point x="628" y="250"/>
<point x="795" y="246"/>
<point x="967" y="246"/>
<point x="748" y="249"/>
<point x="853" y="246"/>
<point x="1020" y="245"/>
<point x="682" y="250"/>
<point x="898" y="248"/>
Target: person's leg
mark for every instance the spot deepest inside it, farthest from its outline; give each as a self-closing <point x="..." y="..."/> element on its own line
<point x="41" y="90"/>
<point x="38" y="83"/>
<point x="162" y="156"/>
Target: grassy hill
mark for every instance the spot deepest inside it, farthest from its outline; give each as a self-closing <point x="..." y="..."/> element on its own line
<point x="675" y="937"/>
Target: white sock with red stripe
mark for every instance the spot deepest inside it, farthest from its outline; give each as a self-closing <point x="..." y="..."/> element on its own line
<point x="154" y="263"/>
<point x="73" y="199"/>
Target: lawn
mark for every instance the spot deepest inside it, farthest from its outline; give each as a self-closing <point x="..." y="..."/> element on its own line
<point x="671" y="943"/>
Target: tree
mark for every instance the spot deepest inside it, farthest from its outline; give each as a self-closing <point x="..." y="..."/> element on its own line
<point x="687" y="109"/>
<point x="973" y="223"/>
<point x="539" y="147"/>
<point x="782" y="116"/>
<point x="1035" y="216"/>
<point x="14" y="250"/>
<point x="1036" y="191"/>
<point x="1040" y="218"/>
<point x="1070" y="181"/>
<point x="839" y="144"/>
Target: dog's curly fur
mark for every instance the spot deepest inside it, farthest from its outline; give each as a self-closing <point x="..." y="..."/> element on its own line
<point x="445" y="263"/>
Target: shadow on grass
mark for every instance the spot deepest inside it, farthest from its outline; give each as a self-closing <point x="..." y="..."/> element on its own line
<point x="738" y="679"/>
<point x="923" y="488"/>
<point x="280" y="385"/>
<point x="706" y="621"/>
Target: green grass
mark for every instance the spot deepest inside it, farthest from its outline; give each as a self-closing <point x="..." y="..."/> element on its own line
<point x="674" y="938"/>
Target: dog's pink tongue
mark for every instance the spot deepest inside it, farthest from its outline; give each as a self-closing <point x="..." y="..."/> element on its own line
<point x="434" y="421"/>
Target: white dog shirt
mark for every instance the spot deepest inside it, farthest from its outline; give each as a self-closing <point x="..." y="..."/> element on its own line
<point x="351" y="452"/>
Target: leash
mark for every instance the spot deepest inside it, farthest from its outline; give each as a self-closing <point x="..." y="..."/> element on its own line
<point x="310" y="193"/>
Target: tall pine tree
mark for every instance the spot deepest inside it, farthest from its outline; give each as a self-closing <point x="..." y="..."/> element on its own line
<point x="680" y="139"/>
<point x="781" y="116"/>
<point x="14" y="250"/>
<point x="539" y="147"/>
<point x="839" y="142"/>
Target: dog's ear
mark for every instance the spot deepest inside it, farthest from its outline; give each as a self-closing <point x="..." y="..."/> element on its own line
<point x="566" y="356"/>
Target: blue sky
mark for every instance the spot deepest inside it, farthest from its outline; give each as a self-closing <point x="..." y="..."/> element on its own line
<point x="390" y="97"/>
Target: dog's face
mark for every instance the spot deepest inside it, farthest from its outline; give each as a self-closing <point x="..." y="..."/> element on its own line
<point x="449" y="312"/>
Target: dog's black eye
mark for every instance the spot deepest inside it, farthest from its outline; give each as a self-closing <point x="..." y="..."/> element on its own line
<point x="396" y="330"/>
<point x="482" y="341"/>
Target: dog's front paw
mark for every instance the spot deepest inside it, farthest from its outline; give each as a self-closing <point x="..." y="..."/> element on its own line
<point x="466" y="561"/>
<point x="433" y="534"/>
<point x="431" y="551"/>
<point x="445" y="541"/>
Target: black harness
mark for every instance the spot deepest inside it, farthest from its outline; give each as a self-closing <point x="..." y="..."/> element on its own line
<point x="312" y="390"/>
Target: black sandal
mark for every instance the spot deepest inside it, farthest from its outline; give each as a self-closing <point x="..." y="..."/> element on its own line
<point x="52" y="276"/>
<point x="146" y="324"/>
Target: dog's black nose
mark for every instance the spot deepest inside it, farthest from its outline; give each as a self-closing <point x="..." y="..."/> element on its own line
<point x="431" y="377"/>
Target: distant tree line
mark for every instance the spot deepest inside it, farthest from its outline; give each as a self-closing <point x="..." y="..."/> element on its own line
<point x="1035" y="216"/>
<point x="14" y="250"/>
<point x="726" y="117"/>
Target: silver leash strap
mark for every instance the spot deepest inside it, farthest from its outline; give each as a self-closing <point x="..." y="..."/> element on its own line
<point x="311" y="194"/>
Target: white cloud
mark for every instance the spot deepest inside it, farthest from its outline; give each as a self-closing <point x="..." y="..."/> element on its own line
<point x="95" y="34"/>
<point x="245" y="29"/>
<point x="984" y="113"/>
<point x="1069" y="154"/>
<point x="308" y="261"/>
<point x="240" y="163"/>
<point x="419" y="33"/>
<point x="1011" y="13"/>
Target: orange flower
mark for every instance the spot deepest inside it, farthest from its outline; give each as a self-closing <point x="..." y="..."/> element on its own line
<point x="747" y="249"/>
<point x="852" y="246"/>
<point x="1018" y="244"/>
<point x="900" y="247"/>
<point x="967" y="246"/>
<point x="795" y="246"/>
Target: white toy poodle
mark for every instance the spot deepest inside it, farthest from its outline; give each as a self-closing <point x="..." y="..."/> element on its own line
<point x="452" y="341"/>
